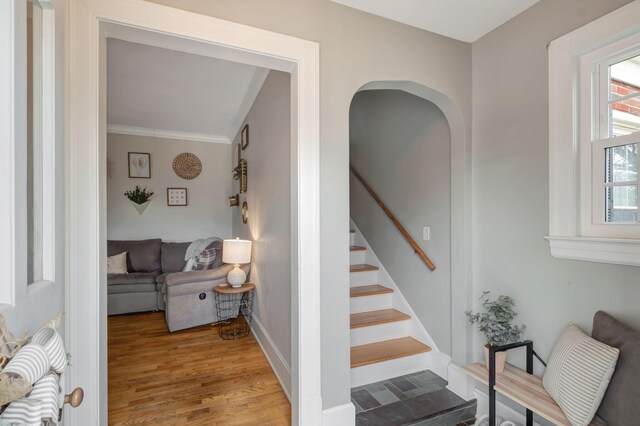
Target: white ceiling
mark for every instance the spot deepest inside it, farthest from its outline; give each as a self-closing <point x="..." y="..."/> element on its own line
<point x="158" y="91"/>
<point x="465" y="20"/>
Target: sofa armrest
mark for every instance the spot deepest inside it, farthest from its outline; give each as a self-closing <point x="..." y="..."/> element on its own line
<point x="178" y="278"/>
<point x="190" y="282"/>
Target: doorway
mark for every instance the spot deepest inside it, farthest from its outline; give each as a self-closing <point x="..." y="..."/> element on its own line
<point x="91" y="23"/>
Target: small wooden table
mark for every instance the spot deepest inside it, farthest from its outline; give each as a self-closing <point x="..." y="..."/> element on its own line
<point x="234" y="307"/>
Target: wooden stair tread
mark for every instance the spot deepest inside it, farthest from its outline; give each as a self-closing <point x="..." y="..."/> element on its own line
<point x="363" y="267"/>
<point x="357" y="248"/>
<point x="352" y="231"/>
<point x="369" y="290"/>
<point x="382" y="316"/>
<point x="386" y="350"/>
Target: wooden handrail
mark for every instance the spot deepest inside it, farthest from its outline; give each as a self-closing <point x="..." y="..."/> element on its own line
<point x="398" y="225"/>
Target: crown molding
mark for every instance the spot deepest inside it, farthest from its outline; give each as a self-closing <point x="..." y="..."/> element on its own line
<point x="166" y="134"/>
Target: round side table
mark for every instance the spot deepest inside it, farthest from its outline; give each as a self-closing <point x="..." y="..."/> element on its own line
<point x="234" y="307"/>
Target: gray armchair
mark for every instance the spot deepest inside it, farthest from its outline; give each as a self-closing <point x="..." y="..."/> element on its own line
<point x="189" y="299"/>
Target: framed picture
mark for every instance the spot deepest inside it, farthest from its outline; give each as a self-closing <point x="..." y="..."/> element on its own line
<point x="244" y="137"/>
<point x="176" y="196"/>
<point x="140" y="165"/>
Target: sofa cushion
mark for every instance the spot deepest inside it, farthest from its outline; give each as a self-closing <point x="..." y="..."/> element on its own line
<point x="620" y="402"/>
<point x="142" y="255"/>
<point x="206" y="260"/>
<point x="131" y="288"/>
<point x="217" y="244"/>
<point x="117" y="264"/>
<point x="172" y="256"/>
<point x="578" y="374"/>
<point x="134" y="278"/>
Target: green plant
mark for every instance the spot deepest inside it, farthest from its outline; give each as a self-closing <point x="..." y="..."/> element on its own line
<point x="138" y="195"/>
<point x="495" y="323"/>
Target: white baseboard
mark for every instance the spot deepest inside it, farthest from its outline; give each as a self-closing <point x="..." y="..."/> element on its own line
<point x="440" y="364"/>
<point x="502" y="410"/>
<point x="342" y="415"/>
<point x="279" y="365"/>
<point x="459" y="383"/>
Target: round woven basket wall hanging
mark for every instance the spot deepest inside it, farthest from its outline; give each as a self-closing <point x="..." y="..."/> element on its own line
<point x="187" y="166"/>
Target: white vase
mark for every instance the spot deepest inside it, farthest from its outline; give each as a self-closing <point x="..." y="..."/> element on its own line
<point x="501" y="359"/>
<point x="140" y="207"/>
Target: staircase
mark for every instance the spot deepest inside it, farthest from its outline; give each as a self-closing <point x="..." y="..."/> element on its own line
<point x="386" y="339"/>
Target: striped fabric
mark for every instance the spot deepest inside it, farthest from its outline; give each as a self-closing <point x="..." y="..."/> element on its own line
<point x="31" y="362"/>
<point x="40" y="406"/>
<point x="206" y="259"/>
<point x="49" y="338"/>
<point x="578" y="374"/>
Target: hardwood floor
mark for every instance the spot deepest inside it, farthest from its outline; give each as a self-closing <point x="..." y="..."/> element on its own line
<point x="189" y="377"/>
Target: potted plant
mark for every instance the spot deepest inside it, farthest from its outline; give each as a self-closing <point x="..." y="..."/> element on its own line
<point x="139" y="198"/>
<point x="495" y="324"/>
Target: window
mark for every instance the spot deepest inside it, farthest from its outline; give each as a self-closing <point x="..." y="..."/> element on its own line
<point x="594" y="102"/>
<point x="610" y="109"/>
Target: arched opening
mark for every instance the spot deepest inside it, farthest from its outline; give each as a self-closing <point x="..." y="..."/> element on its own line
<point x="408" y="142"/>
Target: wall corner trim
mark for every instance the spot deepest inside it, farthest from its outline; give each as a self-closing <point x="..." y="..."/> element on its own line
<point x="459" y="383"/>
<point x="278" y="364"/>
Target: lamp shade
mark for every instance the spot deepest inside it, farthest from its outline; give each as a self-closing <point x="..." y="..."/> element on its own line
<point x="236" y="251"/>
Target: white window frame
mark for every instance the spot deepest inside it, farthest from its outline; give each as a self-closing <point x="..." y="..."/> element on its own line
<point x="576" y="230"/>
<point x="594" y="137"/>
<point x="14" y="287"/>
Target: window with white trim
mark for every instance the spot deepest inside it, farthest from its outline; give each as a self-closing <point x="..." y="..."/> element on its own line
<point x="609" y="136"/>
<point x="594" y="124"/>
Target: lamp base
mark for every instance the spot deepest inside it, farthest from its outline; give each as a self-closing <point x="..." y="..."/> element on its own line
<point x="236" y="276"/>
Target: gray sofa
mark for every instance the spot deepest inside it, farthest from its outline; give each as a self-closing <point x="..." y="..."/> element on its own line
<point x="156" y="282"/>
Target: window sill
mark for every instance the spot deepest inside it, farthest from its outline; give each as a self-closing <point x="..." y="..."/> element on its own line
<point x="605" y="250"/>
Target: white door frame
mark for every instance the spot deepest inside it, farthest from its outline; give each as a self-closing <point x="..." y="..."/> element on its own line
<point x="89" y="23"/>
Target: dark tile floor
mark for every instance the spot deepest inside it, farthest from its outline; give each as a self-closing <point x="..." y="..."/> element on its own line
<point x="415" y="399"/>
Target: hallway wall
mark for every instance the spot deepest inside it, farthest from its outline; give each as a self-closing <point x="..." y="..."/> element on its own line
<point x="511" y="183"/>
<point x="400" y="144"/>
<point x="355" y="48"/>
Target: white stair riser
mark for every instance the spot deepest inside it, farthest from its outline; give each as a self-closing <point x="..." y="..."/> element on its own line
<point x="363" y="278"/>
<point x="352" y="238"/>
<point x="371" y="303"/>
<point x="377" y="333"/>
<point x="357" y="257"/>
<point x="385" y="370"/>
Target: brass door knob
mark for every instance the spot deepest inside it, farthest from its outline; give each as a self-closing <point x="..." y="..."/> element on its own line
<point x="74" y="398"/>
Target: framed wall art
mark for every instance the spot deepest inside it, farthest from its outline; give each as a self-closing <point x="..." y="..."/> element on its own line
<point x="140" y="165"/>
<point x="244" y="137"/>
<point x="176" y="197"/>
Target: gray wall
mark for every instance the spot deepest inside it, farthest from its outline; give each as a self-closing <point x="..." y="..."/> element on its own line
<point x="207" y="213"/>
<point x="400" y="144"/>
<point x="269" y="197"/>
<point x="511" y="184"/>
<point x="355" y="48"/>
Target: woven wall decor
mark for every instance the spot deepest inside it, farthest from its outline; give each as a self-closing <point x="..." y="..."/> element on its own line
<point x="187" y="166"/>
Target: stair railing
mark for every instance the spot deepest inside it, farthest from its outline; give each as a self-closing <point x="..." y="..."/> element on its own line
<point x="395" y="221"/>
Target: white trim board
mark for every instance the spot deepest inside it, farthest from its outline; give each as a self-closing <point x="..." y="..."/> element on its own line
<point x="278" y="364"/>
<point x="88" y="24"/>
<point x="342" y="415"/>
<point x="166" y="134"/>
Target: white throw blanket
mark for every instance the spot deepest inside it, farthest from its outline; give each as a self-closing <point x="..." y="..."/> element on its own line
<point x="196" y="247"/>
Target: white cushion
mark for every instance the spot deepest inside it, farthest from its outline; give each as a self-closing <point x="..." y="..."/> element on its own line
<point x="578" y="374"/>
<point x="117" y="264"/>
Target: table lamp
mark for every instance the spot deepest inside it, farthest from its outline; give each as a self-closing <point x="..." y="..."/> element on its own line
<point x="236" y="252"/>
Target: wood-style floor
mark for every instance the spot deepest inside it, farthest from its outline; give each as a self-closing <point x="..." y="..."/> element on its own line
<point x="189" y="377"/>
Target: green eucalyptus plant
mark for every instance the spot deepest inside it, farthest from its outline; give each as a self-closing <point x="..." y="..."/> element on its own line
<point x="495" y="322"/>
<point x="138" y="195"/>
